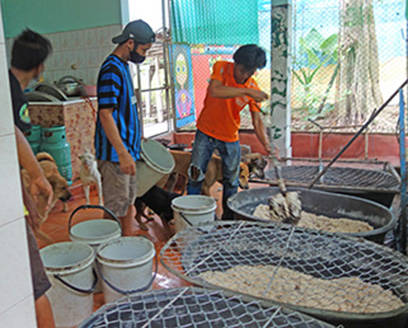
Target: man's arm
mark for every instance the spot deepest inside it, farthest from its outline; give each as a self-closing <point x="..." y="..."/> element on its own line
<point x="26" y="158"/>
<point x="260" y="130"/>
<point x="126" y="161"/>
<point x="218" y="90"/>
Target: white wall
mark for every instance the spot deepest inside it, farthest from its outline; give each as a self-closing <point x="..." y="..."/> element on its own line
<point x="151" y="13"/>
<point x="16" y="295"/>
<point x="79" y="53"/>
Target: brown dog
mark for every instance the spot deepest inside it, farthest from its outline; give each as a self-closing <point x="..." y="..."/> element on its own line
<point x="182" y="161"/>
<point x="256" y="164"/>
<point x="58" y="183"/>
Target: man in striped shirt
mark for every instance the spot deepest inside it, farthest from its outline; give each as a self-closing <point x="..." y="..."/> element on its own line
<point x="118" y="131"/>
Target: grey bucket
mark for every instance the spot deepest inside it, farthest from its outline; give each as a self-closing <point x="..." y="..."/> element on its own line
<point x="125" y="266"/>
<point x="193" y="210"/>
<point x="156" y="161"/>
<point x="69" y="268"/>
<point x="94" y="232"/>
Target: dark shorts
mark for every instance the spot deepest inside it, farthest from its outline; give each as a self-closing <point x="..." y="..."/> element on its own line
<point x="40" y="280"/>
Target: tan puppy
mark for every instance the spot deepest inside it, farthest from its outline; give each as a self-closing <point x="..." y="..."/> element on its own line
<point x="182" y="161"/>
<point x="58" y="183"/>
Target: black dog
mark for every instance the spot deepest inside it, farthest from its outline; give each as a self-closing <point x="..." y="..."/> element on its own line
<point x="159" y="201"/>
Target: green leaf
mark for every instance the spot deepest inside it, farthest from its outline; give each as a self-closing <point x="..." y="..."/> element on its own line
<point x="314" y="39"/>
<point x="313" y="58"/>
<point x="298" y="77"/>
<point x="329" y="46"/>
<point x="314" y="72"/>
<point x="305" y="76"/>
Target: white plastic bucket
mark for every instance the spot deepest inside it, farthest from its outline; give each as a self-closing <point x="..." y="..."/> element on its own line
<point x="94" y="232"/>
<point x="156" y="162"/>
<point x="126" y="266"/>
<point x="195" y="209"/>
<point x="69" y="268"/>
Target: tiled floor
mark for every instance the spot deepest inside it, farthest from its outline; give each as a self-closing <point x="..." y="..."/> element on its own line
<point x="56" y="228"/>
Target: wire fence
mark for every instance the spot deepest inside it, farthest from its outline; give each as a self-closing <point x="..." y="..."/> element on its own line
<point x="345" y="57"/>
<point x="348" y="57"/>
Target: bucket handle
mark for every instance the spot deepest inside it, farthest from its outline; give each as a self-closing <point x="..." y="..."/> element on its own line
<point x="189" y="222"/>
<point x="77" y="289"/>
<point x="132" y="291"/>
<point x="82" y="207"/>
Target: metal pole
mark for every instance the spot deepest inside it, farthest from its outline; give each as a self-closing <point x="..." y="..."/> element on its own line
<point x="403" y="203"/>
<point x="170" y="65"/>
<point x="372" y="117"/>
<point x="166" y="35"/>
<point x="139" y="99"/>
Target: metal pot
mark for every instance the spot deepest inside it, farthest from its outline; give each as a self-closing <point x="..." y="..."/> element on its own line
<point x="71" y="86"/>
<point x="330" y="204"/>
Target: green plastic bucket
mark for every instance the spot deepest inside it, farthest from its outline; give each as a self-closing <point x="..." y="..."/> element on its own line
<point x="156" y="161"/>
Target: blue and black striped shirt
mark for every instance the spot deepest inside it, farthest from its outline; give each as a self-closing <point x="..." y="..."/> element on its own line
<point x="115" y="90"/>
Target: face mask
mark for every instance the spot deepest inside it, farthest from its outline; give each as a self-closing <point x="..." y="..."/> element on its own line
<point x="135" y="57"/>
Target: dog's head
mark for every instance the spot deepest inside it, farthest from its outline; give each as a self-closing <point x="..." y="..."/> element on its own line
<point x="87" y="159"/>
<point x="256" y="165"/>
<point x="243" y="175"/>
<point x="57" y="181"/>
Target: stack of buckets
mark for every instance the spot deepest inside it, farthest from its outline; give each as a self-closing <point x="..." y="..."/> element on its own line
<point x="97" y="252"/>
<point x="53" y="141"/>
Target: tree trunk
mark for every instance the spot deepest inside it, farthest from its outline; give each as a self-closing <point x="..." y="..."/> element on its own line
<point x="358" y="89"/>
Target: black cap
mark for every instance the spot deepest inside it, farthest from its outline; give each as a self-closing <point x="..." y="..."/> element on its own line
<point x="137" y="30"/>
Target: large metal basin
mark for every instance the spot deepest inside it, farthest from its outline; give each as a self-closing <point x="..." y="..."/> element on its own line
<point x="333" y="205"/>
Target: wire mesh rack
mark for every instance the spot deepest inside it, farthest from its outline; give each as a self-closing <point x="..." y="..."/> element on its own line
<point x="196" y="307"/>
<point x="344" y="177"/>
<point x="321" y="274"/>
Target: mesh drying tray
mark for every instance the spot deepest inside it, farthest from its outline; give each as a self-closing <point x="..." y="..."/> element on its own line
<point x="241" y="246"/>
<point x="347" y="178"/>
<point x="196" y="307"/>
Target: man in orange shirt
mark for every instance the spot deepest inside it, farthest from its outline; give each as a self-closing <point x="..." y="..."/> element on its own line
<point x="230" y="90"/>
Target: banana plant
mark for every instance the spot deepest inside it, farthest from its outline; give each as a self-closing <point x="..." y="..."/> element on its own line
<point x="314" y="53"/>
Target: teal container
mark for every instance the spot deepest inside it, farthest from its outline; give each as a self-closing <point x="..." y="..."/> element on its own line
<point x="55" y="143"/>
<point x="33" y="136"/>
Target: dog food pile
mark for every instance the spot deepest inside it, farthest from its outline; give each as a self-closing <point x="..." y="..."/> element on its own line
<point x="318" y="222"/>
<point x="347" y="294"/>
<point x="285" y="208"/>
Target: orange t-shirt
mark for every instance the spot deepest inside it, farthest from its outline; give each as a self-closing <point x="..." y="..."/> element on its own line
<point x="220" y="116"/>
